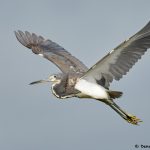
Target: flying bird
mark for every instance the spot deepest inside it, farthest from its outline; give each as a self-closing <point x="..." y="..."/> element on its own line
<point x="76" y="80"/>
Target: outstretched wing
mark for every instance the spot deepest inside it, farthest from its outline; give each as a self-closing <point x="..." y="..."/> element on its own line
<point x="51" y="51"/>
<point x="118" y="61"/>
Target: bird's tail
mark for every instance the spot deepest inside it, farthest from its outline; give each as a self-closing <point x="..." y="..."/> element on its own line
<point x="128" y="117"/>
<point x="114" y="94"/>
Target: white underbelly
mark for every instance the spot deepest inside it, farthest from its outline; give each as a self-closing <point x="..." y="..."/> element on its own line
<point x="92" y="89"/>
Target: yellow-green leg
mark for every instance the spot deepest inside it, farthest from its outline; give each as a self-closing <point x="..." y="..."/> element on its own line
<point x="128" y="117"/>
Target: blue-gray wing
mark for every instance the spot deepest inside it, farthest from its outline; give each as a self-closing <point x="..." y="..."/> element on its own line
<point x="118" y="61"/>
<point x="51" y="51"/>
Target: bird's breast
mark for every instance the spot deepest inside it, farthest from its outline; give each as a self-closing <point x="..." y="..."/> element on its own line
<point x="92" y="89"/>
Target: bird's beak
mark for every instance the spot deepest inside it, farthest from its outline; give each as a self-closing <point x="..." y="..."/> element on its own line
<point x="39" y="81"/>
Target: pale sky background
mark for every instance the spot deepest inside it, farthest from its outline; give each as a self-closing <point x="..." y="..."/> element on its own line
<point x="31" y="118"/>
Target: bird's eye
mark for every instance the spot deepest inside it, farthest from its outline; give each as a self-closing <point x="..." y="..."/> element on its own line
<point x="55" y="76"/>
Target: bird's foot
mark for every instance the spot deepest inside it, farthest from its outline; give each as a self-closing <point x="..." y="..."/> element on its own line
<point x="133" y="119"/>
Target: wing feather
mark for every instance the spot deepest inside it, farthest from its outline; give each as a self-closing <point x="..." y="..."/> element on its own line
<point x="51" y="51"/>
<point x="120" y="60"/>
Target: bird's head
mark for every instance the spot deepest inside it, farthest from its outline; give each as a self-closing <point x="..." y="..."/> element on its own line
<point x="55" y="79"/>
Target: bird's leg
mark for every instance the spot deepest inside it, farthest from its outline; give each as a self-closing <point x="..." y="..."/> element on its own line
<point x="128" y="117"/>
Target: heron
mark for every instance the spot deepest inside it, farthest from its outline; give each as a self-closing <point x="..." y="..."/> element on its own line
<point x="77" y="80"/>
